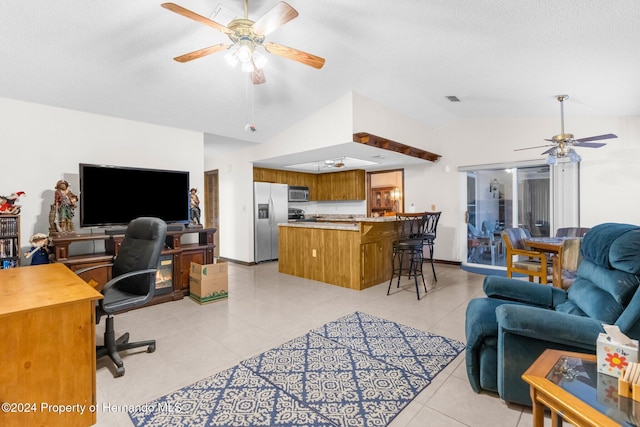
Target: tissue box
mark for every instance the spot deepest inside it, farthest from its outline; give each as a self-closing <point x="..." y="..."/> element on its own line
<point x="613" y="357"/>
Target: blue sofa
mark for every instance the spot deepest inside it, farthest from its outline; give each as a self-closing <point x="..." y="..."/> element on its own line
<point x="508" y="329"/>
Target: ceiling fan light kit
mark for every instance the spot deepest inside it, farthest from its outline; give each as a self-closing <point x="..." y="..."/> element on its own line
<point x="246" y="35"/>
<point x="563" y="143"/>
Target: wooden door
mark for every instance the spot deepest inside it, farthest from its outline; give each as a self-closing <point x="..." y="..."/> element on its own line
<point x="212" y="206"/>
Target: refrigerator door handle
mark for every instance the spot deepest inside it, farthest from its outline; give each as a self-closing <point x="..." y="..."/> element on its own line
<point x="272" y="218"/>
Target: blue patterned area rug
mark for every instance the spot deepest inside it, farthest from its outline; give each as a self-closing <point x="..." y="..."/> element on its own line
<point x="421" y="353"/>
<point x="359" y="370"/>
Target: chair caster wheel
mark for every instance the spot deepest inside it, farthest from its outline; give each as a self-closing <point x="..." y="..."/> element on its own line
<point x="120" y="371"/>
<point x="151" y="348"/>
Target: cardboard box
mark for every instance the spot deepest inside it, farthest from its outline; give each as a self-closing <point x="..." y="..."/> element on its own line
<point x="613" y="357"/>
<point x="208" y="283"/>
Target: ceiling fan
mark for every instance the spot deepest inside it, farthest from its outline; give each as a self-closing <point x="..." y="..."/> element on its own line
<point x="563" y="143"/>
<point x="335" y="163"/>
<point x="247" y="37"/>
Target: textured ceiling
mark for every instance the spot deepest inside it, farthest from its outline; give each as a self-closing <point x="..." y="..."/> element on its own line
<point x="501" y="58"/>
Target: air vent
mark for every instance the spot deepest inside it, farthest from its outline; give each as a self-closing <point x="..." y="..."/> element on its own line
<point x="453" y="98"/>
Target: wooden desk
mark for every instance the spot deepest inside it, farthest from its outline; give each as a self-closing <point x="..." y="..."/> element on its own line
<point x="563" y="405"/>
<point x="47" y="347"/>
<point x="553" y="246"/>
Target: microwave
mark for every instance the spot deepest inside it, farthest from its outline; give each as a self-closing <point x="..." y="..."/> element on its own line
<point x="298" y="194"/>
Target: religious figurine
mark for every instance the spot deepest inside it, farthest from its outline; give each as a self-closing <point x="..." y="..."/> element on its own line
<point x="194" y="208"/>
<point x="8" y="203"/>
<point x="39" y="249"/>
<point x="63" y="209"/>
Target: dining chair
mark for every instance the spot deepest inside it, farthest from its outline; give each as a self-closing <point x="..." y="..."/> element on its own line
<point x="534" y="263"/>
<point x="479" y="244"/>
<point x="407" y="253"/>
<point x="571" y="258"/>
<point x="572" y="231"/>
<point x="429" y="232"/>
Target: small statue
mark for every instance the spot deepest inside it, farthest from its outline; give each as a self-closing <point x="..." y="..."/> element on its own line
<point x="8" y="203"/>
<point x="39" y="249"/>
<point x="63" y="209"/>
<point x="194" y="210"/>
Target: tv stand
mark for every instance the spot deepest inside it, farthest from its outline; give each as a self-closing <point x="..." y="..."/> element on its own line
<point x="177" y="244"/>
<point x="113" y="231"/>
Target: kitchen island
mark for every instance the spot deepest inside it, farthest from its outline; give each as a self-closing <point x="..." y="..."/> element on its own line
<point x="353" y="252"/>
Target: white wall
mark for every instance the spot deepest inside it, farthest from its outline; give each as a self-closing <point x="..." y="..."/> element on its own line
<point x="42" y="144"/>
<point x="609" y="175"/>
<point x="331" y="125"/>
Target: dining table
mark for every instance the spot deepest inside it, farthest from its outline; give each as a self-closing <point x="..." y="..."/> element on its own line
<point x="552" y="246"/>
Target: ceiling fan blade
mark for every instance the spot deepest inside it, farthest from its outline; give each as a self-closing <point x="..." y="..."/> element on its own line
<point x="531" y="148"/>
<point x="201" y="52"/>
<point x="274" y="19"/>
<point x="596" y="138"/>
<point x="199" y="18"/>
<point x="550" y="150"/>
<point x="294" y="54"/>
<point x="591" y="144"/>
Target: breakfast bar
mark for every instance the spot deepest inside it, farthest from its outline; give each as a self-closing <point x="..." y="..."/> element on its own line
<point x="351" y="252"/>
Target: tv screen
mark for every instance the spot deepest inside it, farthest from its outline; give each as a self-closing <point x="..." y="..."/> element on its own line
<point x="114" y="195"/>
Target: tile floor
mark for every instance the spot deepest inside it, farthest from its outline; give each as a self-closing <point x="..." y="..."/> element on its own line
<point x="265" y="309"/>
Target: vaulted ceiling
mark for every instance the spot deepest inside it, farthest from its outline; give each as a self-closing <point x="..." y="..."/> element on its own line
<point x="500" y="58"/>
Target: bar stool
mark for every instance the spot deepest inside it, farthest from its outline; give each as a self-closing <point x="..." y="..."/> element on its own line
<point x="407" y="257"/>
<point x="429" y="235"/>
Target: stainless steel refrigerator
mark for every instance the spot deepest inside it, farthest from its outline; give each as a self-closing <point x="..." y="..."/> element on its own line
<point x="270" y="209"/>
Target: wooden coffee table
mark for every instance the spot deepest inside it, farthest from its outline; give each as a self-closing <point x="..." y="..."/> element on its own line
<point x="567" y="384"/>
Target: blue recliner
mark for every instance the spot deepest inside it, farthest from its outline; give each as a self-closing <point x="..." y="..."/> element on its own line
<point x="518" y="320"/>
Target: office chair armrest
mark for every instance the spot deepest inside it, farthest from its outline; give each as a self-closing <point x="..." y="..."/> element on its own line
<point x="115" y="280"/>
<point x="84" y="270"/>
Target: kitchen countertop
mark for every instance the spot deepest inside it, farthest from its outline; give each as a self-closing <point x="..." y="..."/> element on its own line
<point x="352" y="226"/>
<point x="337" y="222"/>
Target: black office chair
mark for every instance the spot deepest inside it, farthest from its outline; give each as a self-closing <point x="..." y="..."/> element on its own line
<point x="132" y="284"/>
<point x="407" y="256"/>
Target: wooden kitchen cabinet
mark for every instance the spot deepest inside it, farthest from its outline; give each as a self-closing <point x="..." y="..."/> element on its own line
<point x="357" y="259"/>
<point x="265" y="175"/>
<point x="347" y="185"/>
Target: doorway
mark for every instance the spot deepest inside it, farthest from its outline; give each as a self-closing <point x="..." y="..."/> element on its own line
<point x="385" y="191"/>
<point x="212" y="209"/>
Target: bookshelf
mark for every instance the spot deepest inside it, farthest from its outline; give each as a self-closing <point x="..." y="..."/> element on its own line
<point x="9" y="241"/>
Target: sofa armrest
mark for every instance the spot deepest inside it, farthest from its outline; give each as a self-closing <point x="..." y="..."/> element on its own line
<point x="521" y="291"/>
<point x="548" y="325"/>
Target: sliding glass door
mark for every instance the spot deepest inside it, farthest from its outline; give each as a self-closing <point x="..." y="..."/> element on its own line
<point x="498" y="198"/>
<point x="529" y="195"/>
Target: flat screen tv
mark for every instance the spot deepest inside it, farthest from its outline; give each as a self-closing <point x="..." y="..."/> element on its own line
<point x="114" y="195"/>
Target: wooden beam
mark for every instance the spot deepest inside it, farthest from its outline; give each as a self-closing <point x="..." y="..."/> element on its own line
<point x="387" y="144"/>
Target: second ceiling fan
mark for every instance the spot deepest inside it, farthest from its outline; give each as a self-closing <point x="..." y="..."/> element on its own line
<point x="247" y="37"/>
<point x="563" y="143"/>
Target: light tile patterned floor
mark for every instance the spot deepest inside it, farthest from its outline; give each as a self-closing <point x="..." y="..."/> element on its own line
<point x="265" y="309"/>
